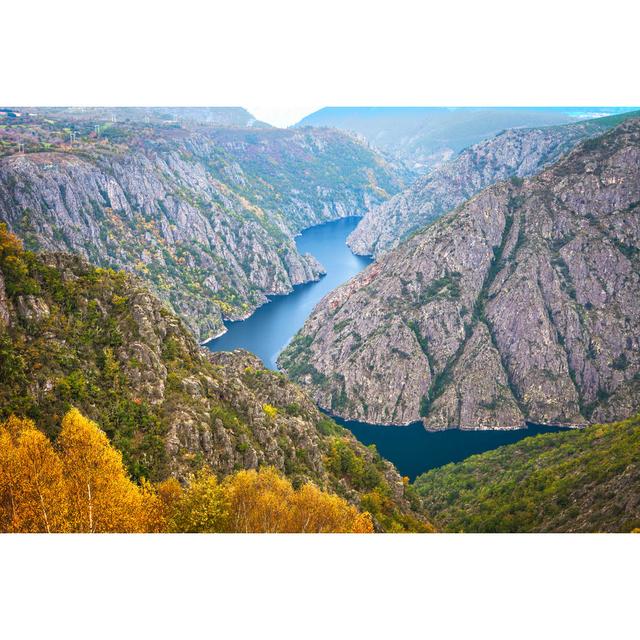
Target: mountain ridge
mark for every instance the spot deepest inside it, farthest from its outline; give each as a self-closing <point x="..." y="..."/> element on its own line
<point x="517" y="153"/>
<point x="427" y="136"/>
<point x="498" y="312"/>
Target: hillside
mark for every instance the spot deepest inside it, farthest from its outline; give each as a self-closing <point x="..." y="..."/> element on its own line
<point x="73" y="335"/>
<point x="205" y="216"/>
<point x="516" y="152"/>
<point x="520" y="305"/>
<point x="78" y="484"/>
<point x="425" y="137"/>
<point x="578" y="481"/>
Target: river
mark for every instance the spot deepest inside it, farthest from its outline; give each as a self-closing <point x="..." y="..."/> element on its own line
<point x="412" y="449"/>
<point x="268" y="331"/>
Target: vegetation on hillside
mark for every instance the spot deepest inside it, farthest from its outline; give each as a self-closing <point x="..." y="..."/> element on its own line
<point x="72" y="335"/>
<point x="79" y="484"/>
<point x="580" y="480"/>
<point x="64" y="353"/>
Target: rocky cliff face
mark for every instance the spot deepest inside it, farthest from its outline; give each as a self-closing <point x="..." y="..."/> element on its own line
<point x="522" y="304"/>
<point x="74" y="335"/>
<point x="205" y="216"/>
<point x="516" y="152"/>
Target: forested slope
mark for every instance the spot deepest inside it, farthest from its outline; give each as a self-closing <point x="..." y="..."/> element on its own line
<point x="583" y="480"/>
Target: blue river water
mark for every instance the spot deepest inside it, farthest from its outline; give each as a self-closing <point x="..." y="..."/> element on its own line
<point x="268" y="331"/>
<point x="412" y="449"/>
<point x="415" y="450"/>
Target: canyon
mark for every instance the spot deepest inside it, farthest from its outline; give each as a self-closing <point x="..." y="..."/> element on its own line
<point x="205" y="215"/>
<point x="500" y="303"/>
<point x="519" y="305"/>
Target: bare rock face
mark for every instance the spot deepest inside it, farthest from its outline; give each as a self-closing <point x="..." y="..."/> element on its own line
<point x="521" y="305"/>
<point x="517" y="152"/>
<point x="206" y="217"/>
<point x="31" y="308"/>
<point x="475" y="397"/>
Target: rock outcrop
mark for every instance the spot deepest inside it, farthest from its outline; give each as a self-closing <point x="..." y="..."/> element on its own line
<point x="75" y="335"/>
<point x="205" y="216"/>
<point x="516" y="153"/>
<point x="520" y="305"/>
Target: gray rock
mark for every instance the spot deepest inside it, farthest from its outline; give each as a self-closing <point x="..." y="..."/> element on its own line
<point x="31" y="308"/>
<point x="5" y="315"/>
<point x="517" y="152"/>
<point x="205" y="217"/>
<point x="522" y="304"/>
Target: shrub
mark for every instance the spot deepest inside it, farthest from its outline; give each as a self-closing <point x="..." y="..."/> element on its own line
<point x="270" y="410"/>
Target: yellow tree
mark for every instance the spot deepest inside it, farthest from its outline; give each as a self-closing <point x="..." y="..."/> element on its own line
<point x="31" y="480"/>
<point x="363" y="523"/>
<point x="9" y="242"/>
<point x="170" y="492"/>
<point x="102" y="498"/>
<point x="9" y="490"/>
<point x="258" y="501"/>
<point x="265" y="501"/>
<point x="202" y="508"/>
<point x="43" y="496"/>
<point x="153" y="517"/>
<point x="315" y="511"/>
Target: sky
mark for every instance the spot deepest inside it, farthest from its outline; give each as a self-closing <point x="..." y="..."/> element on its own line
<point x="282" y="52"/>
<point x="282" y="116"/>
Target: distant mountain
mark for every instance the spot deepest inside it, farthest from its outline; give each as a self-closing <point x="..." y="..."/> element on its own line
<point x="206" y="215"/>
<point x="219" y="116"/>
<point x="519" y="305"/>
<point x="577" y="481"/>
<point x="515" y="152"/>
<point x="214" y="116"/>
<point x="428" y="136"/>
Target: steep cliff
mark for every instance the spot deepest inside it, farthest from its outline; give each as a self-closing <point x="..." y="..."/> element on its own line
<point x="520" y="305"/>
<point x="516" y="152"/>
<point x="205" y="216"/>
<point x="75" y="335"/>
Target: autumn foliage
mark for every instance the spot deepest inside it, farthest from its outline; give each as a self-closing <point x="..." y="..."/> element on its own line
<point x="262" y="501"/>
<point x="81" y="485"/>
